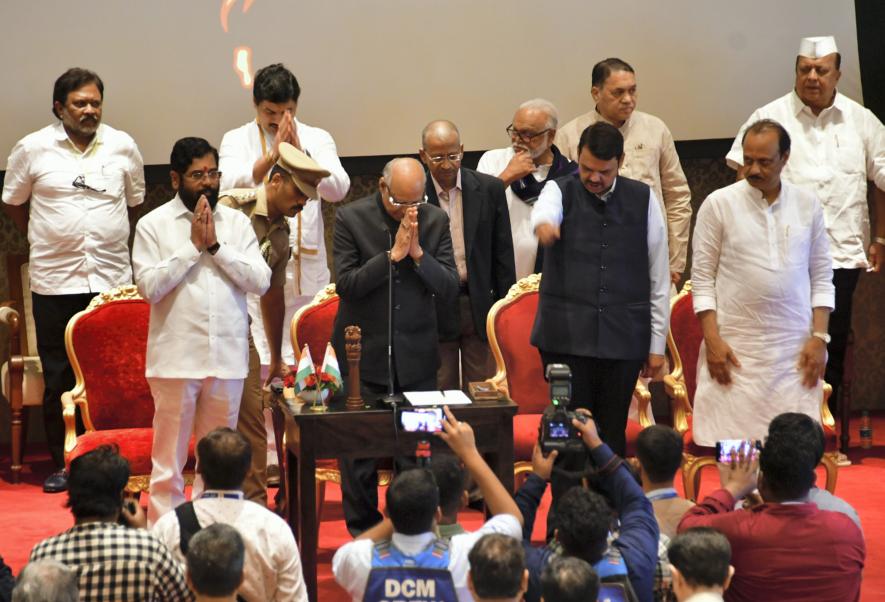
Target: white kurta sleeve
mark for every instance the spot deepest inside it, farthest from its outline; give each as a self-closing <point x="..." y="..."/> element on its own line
<point x="820" y="262"/>
<point x="134" y="175"/>
<point x="334" y="187"/>
<point x="875" y="149"/>
<point x="548" y="208"/>
<point x="706" y="247"/>
<point x="235" y="162"/>
<point x="156" y="276"/>
<point x="659" y="275"/>
<point x="240" y="258"/>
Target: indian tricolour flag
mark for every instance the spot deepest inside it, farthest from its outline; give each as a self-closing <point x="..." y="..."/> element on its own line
<point x="304" y="371"/>
<point x="330" y="366"/>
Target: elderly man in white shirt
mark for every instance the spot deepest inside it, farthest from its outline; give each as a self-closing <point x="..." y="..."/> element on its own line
<point x="247" y="155"/>
<point x="272" y="569"/>
<point x="194" y="263"/>
<point x="525" y="166"/>
<point x="649" y="152"/>
<point x="72" y="188"/>
<point x="837" y="146"/>
<point x="763" y="292"/>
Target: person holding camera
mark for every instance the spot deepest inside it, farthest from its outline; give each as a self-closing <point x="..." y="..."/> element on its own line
<point x="585" y="519"/>
<point x="113" y="559"/>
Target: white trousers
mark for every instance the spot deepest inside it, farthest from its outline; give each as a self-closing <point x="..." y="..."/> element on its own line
<point x="183" y="407"/>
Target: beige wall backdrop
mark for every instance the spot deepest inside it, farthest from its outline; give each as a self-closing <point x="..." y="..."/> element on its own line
<point x="375" y="71"/>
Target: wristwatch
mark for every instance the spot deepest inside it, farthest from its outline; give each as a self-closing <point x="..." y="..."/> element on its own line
<point x="213" y="249"/>
<point x="823" y="336"/>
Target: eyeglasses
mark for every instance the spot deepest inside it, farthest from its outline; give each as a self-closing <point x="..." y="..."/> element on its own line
<point x="522" y="135"/>
<point x="397" y="203"/>
<point x="197" y="176"/>
<point x="451" y="158"/>
<point x="80" y="184"/>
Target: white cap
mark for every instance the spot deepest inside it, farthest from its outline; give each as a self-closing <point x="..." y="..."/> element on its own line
<point x="817" y="47"/>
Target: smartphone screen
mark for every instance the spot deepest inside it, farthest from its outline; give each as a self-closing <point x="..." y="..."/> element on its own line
<point x="728" y="449"/>
<point x="421" y="421"/>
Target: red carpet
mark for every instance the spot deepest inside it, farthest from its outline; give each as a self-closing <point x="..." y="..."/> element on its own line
<point x="27" y="515"/>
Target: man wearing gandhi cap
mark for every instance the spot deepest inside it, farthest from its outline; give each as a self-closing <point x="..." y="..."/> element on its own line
<point x="291" y="183"/>
<point x="837" y="145"/>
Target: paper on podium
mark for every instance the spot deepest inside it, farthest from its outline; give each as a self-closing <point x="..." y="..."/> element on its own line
<point x="437" y="398"/>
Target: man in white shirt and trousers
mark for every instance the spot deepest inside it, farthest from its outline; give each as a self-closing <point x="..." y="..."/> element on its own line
<point x="763" y="291"/>
<point x="72" y="188"/>
<point x="247" y="155"/>
<point x="837" y="146"/>
<point x="194" y="263"/>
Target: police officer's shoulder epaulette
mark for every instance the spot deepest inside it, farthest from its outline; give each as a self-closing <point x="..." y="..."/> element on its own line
<point x="239" y="196"/>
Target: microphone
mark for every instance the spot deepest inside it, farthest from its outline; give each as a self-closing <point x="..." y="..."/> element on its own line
<point x="392" y="398"/>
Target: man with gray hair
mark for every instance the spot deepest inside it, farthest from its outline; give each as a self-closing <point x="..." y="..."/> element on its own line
<point x="46" y="581"/>
<point x="393" y="231"/>
<point x="649" y="152"/>
<point x="525" y="166"/>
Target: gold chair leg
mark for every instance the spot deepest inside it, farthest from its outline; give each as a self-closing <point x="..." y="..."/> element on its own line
<point x="832" y="469"/>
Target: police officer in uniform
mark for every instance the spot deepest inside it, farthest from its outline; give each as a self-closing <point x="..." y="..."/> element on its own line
<point x="291" y="183"/>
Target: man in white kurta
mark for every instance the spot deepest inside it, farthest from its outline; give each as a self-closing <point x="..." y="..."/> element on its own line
<point x="194" y="262"/>
<point x="525" y="166"/>
<point x="838" y="145"/>
<point x="252" y="150"/>
<point x="649" y="151"/>
<point x="763" y="291"/>
<point x="247" y="155"/>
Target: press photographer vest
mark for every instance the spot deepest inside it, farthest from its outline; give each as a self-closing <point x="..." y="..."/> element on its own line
<point x="397" y="576"/>
<point x="595" y="289"/>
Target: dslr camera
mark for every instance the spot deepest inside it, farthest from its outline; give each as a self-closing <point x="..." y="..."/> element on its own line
<point x="557" y="432"/>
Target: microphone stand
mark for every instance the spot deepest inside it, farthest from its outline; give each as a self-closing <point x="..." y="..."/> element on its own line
<point x="391" y="399"/>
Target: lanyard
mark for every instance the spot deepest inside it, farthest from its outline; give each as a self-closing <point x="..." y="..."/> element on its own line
<point x="662" y="494"/>
<point x="238" y="495"/>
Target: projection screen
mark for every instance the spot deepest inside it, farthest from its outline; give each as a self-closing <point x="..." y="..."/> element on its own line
<point x="373" y="72"/>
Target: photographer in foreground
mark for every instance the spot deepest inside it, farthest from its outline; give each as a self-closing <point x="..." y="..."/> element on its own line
<point x="403" y="549"/>
<point x="626" y="553"/>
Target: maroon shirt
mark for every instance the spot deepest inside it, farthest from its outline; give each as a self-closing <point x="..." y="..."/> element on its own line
<point x="785" y="551"/>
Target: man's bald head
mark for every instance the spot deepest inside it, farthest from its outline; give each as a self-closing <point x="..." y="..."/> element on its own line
<point x="442" y="151"/>
<point x="402" y="181"/>
<point x="441" y="131"/>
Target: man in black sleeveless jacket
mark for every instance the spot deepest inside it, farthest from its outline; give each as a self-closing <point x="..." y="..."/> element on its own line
<point x="604" y="297"/>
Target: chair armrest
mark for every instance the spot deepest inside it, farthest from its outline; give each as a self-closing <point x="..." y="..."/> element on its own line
<point x="826" y="417"/>
<point x="12" y="319"/>
<point x="69" y="413"/>
<point x="680" y="408"/>
<point x="643" y="396"/>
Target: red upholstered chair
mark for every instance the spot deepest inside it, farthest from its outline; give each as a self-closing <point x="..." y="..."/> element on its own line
<point x="520" y="375"/>
<point x="683" y="345"/>
<point x="312" y="325"/>
<point x="106" y="345"/>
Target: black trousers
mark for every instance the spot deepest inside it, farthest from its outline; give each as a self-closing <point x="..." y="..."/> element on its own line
<point x="51" y="316"/>
<point x="605" y="387"/>
<point x="359" y="476"/>
<point x="845" y="282"/>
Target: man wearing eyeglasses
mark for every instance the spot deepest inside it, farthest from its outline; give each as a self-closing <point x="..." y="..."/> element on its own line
<point x="483" y="249"/>
<point x="394" y="229"/>
<point x="194" y="262"/>
<point x="73" y="188"/>
<point x="649" y="152"/>
<point x="525" y="166"/>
